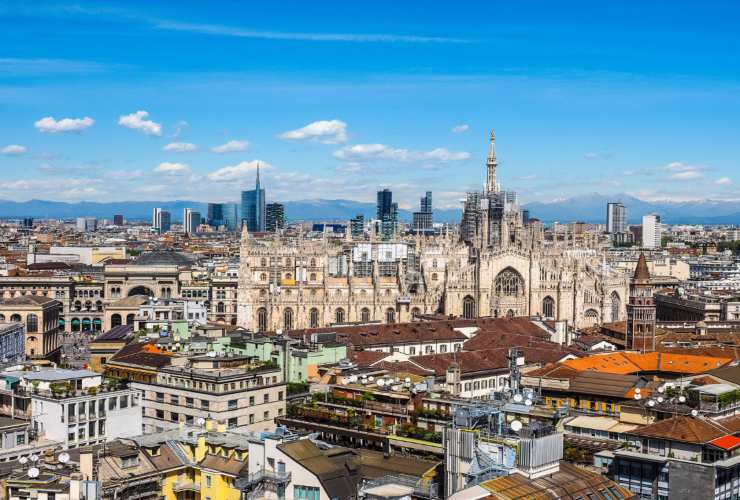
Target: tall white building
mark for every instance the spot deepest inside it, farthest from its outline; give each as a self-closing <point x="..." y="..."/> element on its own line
<point x="652" y="231"/>
<point x="155" y="217"/>
<point x="87" y="224"/>
<point x="190" y="220"/>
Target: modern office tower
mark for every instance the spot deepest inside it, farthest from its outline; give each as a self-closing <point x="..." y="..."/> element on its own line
<point x="164" y="221"/>
<point x="27" y="223"/>
<point x="253" y="207"/>
<point x="190" y="221"/>
<point x="118" y="220"/>
<point x="652" y="231"/>
<point x="616" y="218"/>
<point x="216" y="214"/>
<point x="357" y="226"/>
<point x="525" y="216"/>
<point x="231" y="216"/>
<point x="155" y="218"/>
<point x="275" y="219"/>
<point x="422" y="220"/>
<point x="387" y="213"/>
<point x="640" y="333"/>
<point x="87" y="224"/>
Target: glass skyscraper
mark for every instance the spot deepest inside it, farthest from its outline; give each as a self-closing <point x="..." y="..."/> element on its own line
<point x="253" y="207"/>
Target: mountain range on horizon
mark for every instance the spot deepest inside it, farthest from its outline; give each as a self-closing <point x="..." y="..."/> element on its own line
<point x="587" y="208"/>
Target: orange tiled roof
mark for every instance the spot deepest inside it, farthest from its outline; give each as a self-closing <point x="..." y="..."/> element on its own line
<point x="726" y="442"/>
<point x="631" y="362"/>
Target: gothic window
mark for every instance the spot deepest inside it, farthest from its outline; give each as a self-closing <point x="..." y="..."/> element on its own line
<point x="616" y="306"/>
<point x="220" y="308"/>
<point x="261" y="319"/>
<point x="115" y="320"/>
<point x="314" y="318"/>
<point x="313" y="262"/>
<point x="468" y="307"/>
<point x="415" y="313"/>
<point x="548" y="307"/>
<point x="339" y="315"/>
<point x="510" y="313"/>
<point x="390" y="315"/>
<point x="263" y="277"/>
<point x="365" y="314"/>
<point x="509" y="283"/>
<point x="313" y="277"/>
<point x="592" y="317"/>
<point x="434" y="276"/>
<point x="288" y="319"/>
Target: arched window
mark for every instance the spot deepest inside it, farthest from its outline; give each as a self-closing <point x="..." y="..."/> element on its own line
<point x="509" y="283"/>
<point x="313" y="277"/>
<point x="78" y="305"/>
<point x="390" y="315"/>
<point x="115" y="320"/>
<point x="263" y="277"/>
<point x="15" y="317"/>
<point x="220" y="307"/>
<point x="99" y="306"/>
<point x="32" y="323"/>
<point x="288" y="319"/>
<point x="592" y="317"/>
<point x="616" y="306"/>
<point x="261" y="319"/>
<point x="339" y="315"/>
<point x="263" y="262"/>
<point x="2" y="317"/>
<point x="469" y="307"/>
<point x="510" y="313"/>
<point x="365" y="314"/>
<point x="548" y="307"/>
<point x="130" y="319"/>
<point x="313" y="262"/>
<point x="415" y="313"/>
<point x="313" y="317"/>
<point x="434" y="276"/>
<point x="88" y="305"/>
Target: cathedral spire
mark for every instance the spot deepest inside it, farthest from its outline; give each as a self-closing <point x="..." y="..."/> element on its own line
<point x="491" y="164"/>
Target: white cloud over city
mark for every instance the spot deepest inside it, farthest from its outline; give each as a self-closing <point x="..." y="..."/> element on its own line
<point x="232" y="146"/>
<point x="323" y="131"/>
<point x="138" y="121"/>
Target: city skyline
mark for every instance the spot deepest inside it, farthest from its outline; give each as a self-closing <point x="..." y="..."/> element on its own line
<point x="201" y="98"/>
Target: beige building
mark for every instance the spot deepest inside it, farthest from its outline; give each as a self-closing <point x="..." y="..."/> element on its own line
<point x="41" y="317"/>
<point x="235" y="391"/>
<point x="499" y="265"/>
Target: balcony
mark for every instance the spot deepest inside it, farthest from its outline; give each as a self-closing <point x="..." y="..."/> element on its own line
<point x="180" y="486"/>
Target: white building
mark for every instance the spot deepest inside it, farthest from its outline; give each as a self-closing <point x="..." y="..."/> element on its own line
<point x="87" y="224"/>
<point x="652" y="231"/>
<point x="75" y="408"/>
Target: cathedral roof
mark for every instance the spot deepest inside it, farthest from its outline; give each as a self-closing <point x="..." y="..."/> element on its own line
<point x="163" y="257"/>
<point x="641" y="271"/>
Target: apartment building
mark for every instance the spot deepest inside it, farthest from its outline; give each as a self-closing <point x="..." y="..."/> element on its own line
<point x="238" y="391"/>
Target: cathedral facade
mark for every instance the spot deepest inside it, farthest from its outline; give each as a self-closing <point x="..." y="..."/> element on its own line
<point x="498" y="264"/>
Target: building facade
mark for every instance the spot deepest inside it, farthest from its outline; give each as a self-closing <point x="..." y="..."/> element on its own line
<point x="498" y="267"/>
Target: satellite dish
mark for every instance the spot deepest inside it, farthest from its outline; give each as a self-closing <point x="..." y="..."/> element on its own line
<point x="528" y="402"/>
<point x="661" y="389"/>
<point x="33" y="472"/>
<point x="694" y="413"/>
<point x="651" y="403"/>
<point x="201" y="421"/>
<point x="64" y="457"/>
<point x="23" y="460"/>
<point x="660" y="399"/>
<point x="637" y="396"/>
<point x="682" y="399"/>
<point x="34" y="458"/>
<point x="371" y="378"/>
<point x="637" y="390"/>
<point x="516" y="426"/>
<point x="518" y="398"/>
<point x="381" y="382"/>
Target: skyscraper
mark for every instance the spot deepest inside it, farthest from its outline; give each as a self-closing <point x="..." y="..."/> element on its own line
<point x="164" y="221"/>
<point x="275" y="219"/>
<point x="422" y="220"/>
<point x="387" y="212"/>
<point x="216" y="214"/>
<point x="357" y="225"/>
<point x="155" y="218"/>
<point x="87" y="224"/>
<point x="190" y="221"/>
<point x="616" y="218"/>
<point x="231" y="216"/>
<point x="253" y="207"/>
<point x="118" y="220"/>
<point x="652" y="231"/>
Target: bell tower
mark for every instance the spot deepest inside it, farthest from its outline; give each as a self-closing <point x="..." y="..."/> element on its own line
<point x="640" y="331"/>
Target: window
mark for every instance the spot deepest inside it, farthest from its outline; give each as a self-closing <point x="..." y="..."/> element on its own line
<point x="616" y="306"/>
<point x="208" y="481"/>
<point x="20" y="439"/>
<point x="306" y="493"/>
<point x="266" y="398"/>
<point x="261" y="319"/>
<point x="160" y="397"/>
<point x="112" y="403"/>
<point x="288" y="319"/>
<point x="233" y="404"/>
<point x="412" y="351"/>
<point x="123" y="402"/>
<point x="251" y="418"/>
<point x="266" y="415"/>
<point x="509" y="283"/>
<point x="548" y="307"/>
<point x="127" y="462"/>
<point x="175" y="399"/>
<point x="280" y="395"/>
<point x="232" y="422"/>
<point x="339" y="315"/>
<point x="314" y="318"/>
<point x="32" y="323"/>
<point x="390" y="315"/>
<point x="205" y="404"/>
<point x="189" y="402"/>
<point x="160" y="414"/>
<point x="175" y="417"/>
<point x="365" y="314"/>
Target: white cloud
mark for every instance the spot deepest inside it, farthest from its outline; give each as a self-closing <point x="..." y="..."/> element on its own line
<point x="180" y="147"/>
<point x="324" y="131"/>
<point x="49" y="125"/>
<point x="231" y="147"/>
<point x="138" y="121"/>
<point x="683" y="172"/>
<point x="459" y="129"/>
<point x="366" y="152"/>
<point x="723" y="181"/>
<point x="238" y="171"/>
<point x="172" y="168"/>
<point x="13" y="150"/>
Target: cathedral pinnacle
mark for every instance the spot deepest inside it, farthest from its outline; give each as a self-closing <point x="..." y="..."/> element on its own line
<point x="491" y="164"/>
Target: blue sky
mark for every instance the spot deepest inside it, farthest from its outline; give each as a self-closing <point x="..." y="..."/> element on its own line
<point x="181" y="100"/>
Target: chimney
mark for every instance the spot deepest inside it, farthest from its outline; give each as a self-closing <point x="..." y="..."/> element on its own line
<point x="561" y="335"/>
